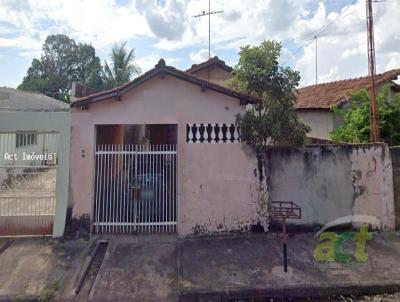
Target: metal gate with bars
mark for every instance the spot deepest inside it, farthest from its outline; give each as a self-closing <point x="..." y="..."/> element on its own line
<point x="28" y="166"/>
<point x="135" y="189"/>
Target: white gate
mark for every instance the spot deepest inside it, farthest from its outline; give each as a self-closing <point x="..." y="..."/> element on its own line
<point x="28" y="166"/>
<point x="135" y="189"/>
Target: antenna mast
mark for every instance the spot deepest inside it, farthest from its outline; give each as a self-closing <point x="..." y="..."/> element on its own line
<point x="316" y="60"/>
<point x="372" y="72"/>
<point x="209" y="13"/>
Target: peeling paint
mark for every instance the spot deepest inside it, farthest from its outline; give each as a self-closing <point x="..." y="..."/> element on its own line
<point x="373" y="183"/>
<point x="328" y="182"/>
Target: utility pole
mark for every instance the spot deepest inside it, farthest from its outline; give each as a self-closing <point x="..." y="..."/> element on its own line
<point x="372" y="73"/>
<point x="209" y="13"/>
<point x="316" y="60"/>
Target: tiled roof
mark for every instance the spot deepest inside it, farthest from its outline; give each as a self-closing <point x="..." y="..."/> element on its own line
<point x="162" y="70"/>
<point x="13" y="99"/>
<point x="325" y="96"/>
<point x="215" y="60"/>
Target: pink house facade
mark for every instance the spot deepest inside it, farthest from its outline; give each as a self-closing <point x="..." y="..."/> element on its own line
<point x="161" y="154"/>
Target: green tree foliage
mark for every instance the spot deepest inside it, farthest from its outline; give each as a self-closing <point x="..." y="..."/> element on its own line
<point x="273" y="119"/>
<point x="62" y="62"/>
<point x="121" y="68"/>
<point x="356" y="118"/>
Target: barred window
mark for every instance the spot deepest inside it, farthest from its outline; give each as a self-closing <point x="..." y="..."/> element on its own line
<point x="25" y="139"/>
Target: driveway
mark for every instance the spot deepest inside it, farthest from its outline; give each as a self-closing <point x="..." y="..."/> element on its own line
<point x="138" y="269"/>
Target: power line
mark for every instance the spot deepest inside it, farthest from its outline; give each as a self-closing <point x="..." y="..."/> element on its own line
<point x="338" y="17"/>
<point x="318" y="32"/>
<point x="316" y="60"/>
<point x="378" y="1"/>
<point x="296" y="52"/>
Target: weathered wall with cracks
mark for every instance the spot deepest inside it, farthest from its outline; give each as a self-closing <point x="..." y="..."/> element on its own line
<point x="395" y="155"/>
<point x="330" y="182"/>
<point x="219" y="189"/>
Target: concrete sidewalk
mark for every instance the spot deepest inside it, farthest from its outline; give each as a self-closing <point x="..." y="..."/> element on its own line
<point x="251" y="267"/>
<point x="218" y="268"/>
<point x="237" y="267"/>
<point x="36" y="269"/>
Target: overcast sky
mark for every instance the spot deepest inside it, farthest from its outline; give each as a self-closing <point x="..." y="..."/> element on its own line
<point x="167" y="29"/>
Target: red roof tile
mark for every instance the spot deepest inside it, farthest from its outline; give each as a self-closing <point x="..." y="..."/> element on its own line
<point x="325" y="96"/>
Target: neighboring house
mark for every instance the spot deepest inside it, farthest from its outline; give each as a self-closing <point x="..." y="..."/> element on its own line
<point x="34" y="163"/>
<point x="27" y="141"/>
<point x="13" y="99"/>
<point x="315" y="103"/>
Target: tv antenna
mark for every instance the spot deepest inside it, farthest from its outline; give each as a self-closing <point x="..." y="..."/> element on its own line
<point x="316" y="59"/>
<point x="316" y="56"/>
<point x="209" y="13"/>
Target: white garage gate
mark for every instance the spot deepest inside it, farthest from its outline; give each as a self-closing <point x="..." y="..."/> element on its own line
<point x="135" y="189"/>
<point x="28" y="173"/>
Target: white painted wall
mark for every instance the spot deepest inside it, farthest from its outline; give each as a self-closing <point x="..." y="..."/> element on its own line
<point x="320" y="121"/>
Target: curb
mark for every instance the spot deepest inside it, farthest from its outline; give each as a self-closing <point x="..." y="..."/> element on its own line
<point x="295" y="292"/>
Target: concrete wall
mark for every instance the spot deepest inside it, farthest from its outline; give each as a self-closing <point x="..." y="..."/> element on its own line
<point x="220" y="191"/>
<point x="214" y="181"/>
<point x="42" y="122"/>
<point x="395" y="154"/>
<point x="330" y="182"/>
